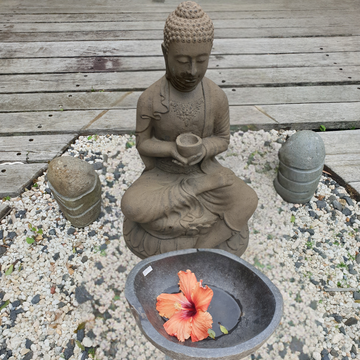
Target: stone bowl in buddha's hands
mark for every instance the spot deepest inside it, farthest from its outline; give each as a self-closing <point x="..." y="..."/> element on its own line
<point x="188" y="144"/>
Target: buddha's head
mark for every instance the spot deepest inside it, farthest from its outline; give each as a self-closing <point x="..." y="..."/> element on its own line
<point x="188" y="39"/>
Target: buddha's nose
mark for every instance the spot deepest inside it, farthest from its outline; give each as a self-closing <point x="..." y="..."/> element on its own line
<point x="193" y="69"/>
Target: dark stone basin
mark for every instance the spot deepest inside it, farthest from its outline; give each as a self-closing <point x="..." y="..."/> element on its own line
<point x="261" y="302"/>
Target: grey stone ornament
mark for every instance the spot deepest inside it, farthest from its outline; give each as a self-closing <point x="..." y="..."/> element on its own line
<point x="302" y="160"/>
<point x="260" y="301"/>
<point x="76" y="188"/>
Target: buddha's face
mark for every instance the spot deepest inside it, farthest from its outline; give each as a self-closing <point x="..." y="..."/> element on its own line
<point x="186" y="64"/>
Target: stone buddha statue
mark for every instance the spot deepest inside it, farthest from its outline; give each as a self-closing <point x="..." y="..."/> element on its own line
<point x="185" y="198"/>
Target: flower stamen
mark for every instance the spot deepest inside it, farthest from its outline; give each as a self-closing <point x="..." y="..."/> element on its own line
<point x="178" y="306"/>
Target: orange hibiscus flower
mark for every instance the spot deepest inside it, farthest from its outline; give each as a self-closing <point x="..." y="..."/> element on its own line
<point x="187" y="309"/>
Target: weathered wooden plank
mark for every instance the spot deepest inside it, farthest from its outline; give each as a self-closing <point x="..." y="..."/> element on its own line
<point x="12" y="156"/>
<point x="242" y="96"/>
<point x="55" y="122"/>
<point x="341" y="142"/>
<point x="68" y="101"/>
<point x="152" y="47"/>
<point x="351" y="158"/>
<point x="348" y="173"/>
<point x="343" y="158"/>
<point x="117" y="122"/>
<point x="162" y="15"/>
<point x="37" y="148"/>
<point x="106" y="121"/>
<point x="298" y="116"/>
<point x="142" y="80"/>
<point x="8" y="36"/>
<point x="44" y="7"/>
<point x="112" y="64"/>
<point x="101" y="122"/>
<point x="294" y="116"/>
<point x="14" y="178"/>
<point x="159" y="25"/>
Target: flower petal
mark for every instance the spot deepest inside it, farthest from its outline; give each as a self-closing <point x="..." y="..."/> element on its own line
<point x="187" y="282"/>
<point x="166" y="304"/>
<point x="179" y="325"/>
<point x="200" y="324"/>
<point x="201" y="296"/>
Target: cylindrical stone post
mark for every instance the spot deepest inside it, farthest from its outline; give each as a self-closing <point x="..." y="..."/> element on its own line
<point x="76" y="188"/>
<point x="302" y="160"/>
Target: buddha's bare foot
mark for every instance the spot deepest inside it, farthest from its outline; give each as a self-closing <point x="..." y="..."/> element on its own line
<point x="209" y="182"/>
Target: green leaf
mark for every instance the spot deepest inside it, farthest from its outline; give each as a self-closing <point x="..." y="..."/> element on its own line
<point x="292" y="218"/>
<point x="80" y="345"/>
<point x="74" y="251"/>
<point x="298" y="298"/>
<point x="9" y="270"/>
<point x="89" y="137"/>
<point x="116" y="297"/>
<point x="40" y="231"/>
<point x="7" y="302"/>
<point x="36" y="185"/>
<point x="211" y="333"/>
<point x="257" y="263"/>
<point x="322" y="128"/>
<point x="223" y="329"/>
<point x="130" y="144"/>
<point x="7" y="198"/>
<point x="30" y="240"/>
<point x="80" y="326"/>
<point x="33" y="229"/>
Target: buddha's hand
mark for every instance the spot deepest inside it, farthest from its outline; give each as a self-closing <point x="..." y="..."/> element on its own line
<point x="177" y="158"/>
<point x="192" y="160"/>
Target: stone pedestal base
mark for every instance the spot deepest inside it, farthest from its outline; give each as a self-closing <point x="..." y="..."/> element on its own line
<point x="219" y="236"/>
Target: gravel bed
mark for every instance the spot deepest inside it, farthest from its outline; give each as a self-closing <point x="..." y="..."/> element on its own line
<point x="61" y="288"/>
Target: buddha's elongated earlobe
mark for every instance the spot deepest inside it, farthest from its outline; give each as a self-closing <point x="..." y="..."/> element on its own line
<point x="164" y="51"/>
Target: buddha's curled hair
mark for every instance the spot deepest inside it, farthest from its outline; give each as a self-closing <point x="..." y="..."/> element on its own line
<point x="188" y="24"/>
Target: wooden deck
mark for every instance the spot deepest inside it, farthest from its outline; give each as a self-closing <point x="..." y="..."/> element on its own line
<point x="78" y="67"/>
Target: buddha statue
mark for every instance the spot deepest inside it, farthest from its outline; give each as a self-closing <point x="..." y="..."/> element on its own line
<point x="185" y="198"/>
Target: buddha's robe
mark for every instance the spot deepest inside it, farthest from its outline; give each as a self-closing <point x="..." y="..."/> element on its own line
<point x="161" y="200"/>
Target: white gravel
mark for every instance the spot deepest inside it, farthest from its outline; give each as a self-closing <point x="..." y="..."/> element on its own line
<point x="302" y="252"/>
